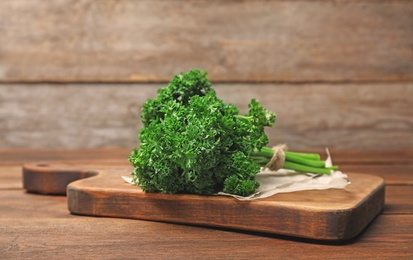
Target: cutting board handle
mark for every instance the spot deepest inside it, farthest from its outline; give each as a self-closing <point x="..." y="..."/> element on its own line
<point x="52" y="179"/>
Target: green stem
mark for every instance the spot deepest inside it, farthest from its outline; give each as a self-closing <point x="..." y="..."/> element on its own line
<point x="265" y="151"/>
<point x="291" y="157"/>
<point x="305" y="168"/>
<point x="300" y="162"/>
<point x="309" y="156"/>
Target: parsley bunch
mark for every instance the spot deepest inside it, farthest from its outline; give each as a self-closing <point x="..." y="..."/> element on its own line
<point x="193" y="142"/>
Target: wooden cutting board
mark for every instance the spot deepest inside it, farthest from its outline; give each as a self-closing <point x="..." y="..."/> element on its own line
<point x="334" y="214"/>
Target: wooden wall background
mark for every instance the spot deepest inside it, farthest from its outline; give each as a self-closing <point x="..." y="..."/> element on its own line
<point x="73" y="74"/>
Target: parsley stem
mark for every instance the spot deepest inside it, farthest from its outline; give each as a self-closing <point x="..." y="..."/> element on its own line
<point x="305" y="168"/>
<point x="308" y="156"/>
<point x="291" y="157"/>
<point x="300" y="162"/>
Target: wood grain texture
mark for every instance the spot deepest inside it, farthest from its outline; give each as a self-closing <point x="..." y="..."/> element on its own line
<point x="399" y="199"/>
<point x="20" y="156"/>
<point x="393" y="174"/>
<point x="35" y="226"/>
<point x="398" y="196"/>
<point x="309" y="116"/>
<point x="11" y="177"/>
<point x="134" y="41"/>
<point x="41" y="226"/>
<point x="52" y="181"/>
<point x="111" y="238"/>
<point x="334" y="214"/>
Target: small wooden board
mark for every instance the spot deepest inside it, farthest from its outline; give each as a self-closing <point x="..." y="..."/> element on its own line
<point x="334" y="214"/>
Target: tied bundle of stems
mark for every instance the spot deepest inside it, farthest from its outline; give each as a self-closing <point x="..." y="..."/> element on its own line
<point x="300" y="162"/>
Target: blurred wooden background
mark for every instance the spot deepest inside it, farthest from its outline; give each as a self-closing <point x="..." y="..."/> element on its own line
<point x="74" y="74"/>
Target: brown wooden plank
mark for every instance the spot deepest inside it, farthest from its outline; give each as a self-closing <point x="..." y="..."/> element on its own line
<point x="323" y="215"/>
<point x="309" y="116"/>
<point x="234" y="40"/>
<point x="372" y="157"/>
<point x="102" y="237"/>
<point x="399" y="199"/>
<point x="36" y="225"/>
<point x="341" y="117"/>
<point x="15" y="200"/>
<point x="392" y="174"/>
<point x="398" y="188"/>
<point x="10" y="177"/>
<point x="20" y="156"/>
<point x="52" y="178"/>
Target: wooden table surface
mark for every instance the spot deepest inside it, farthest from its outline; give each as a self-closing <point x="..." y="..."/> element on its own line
<point x="37" y="226"/>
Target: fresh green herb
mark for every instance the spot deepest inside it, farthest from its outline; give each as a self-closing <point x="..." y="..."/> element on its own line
<point x="193" y="142"/>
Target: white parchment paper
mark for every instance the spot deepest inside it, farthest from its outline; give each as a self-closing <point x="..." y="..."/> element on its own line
<point x="282" y="180"/>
